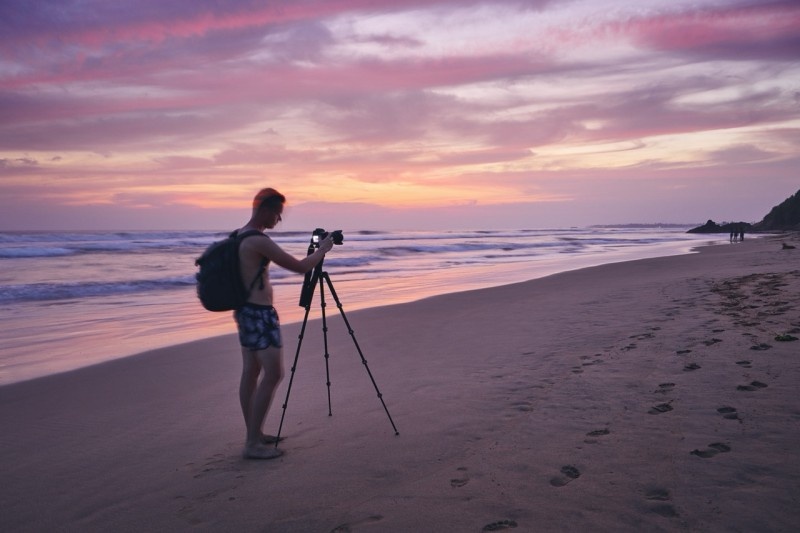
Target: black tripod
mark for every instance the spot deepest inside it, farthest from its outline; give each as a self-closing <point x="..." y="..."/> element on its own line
<point x="306" y="296"/>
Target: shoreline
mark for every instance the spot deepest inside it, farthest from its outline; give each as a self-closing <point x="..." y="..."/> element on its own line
<point x="93" y="332"/>
<point x="613" y="398"/>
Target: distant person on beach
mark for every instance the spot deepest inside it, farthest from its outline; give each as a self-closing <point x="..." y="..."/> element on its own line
<point x="257" y="321"/>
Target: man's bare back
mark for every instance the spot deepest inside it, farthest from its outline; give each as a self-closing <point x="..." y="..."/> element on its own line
<point x="251" y="262"/>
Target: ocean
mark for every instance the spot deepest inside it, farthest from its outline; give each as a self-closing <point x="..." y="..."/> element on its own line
<point x="72" y="299"/>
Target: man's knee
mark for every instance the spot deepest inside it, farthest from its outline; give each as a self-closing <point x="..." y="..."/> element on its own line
<point x="274" y="373"/>
<point x="271" y="360"/>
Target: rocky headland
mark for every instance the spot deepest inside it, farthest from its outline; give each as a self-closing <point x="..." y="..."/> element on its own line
<point x="783" y="217"/>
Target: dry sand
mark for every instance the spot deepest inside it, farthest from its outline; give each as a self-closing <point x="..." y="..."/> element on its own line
<point x="641" y="396"/>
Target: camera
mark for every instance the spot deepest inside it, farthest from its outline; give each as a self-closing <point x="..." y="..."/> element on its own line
<point x="319" y="234"/>
<point x="311" y="277"/>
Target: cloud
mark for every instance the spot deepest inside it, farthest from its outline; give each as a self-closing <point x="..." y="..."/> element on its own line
<point x="21" y="162"/>
<point x="742" y="154"/>
<point x="735" y="32"/>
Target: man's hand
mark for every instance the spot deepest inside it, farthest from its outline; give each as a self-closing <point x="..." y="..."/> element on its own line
<point x="326" y="244"/>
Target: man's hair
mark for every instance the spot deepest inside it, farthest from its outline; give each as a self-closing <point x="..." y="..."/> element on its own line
<point x="268" y="198"/>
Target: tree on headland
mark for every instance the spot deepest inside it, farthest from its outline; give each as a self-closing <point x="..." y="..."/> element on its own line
<point x="782" y="217"/>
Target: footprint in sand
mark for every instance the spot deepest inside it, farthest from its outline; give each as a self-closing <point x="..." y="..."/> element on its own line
<point x="754" y="385"/>
<point x="346" y="528"/>
<point x="760" y="347"/>
<point x="460" y="481"/>
<point x="713" y="449"/>
<point x="711" y="342"/>
<point x="523" y="406"/>
<point x="596" y="433"/>
<point x="660" y="496"/>
<point x="660" y="408"/>
<point x="745" y="364"/>
<point x="728" y="413"/>
<point x="500" y="525"/>
<point x="683" y="352"/>
<point x="216" y="462"/>
<point x="691" y="366"/>
<point x="665" y="387"/>
<point x="570" y="473"/>
<point x="596" y="359"/>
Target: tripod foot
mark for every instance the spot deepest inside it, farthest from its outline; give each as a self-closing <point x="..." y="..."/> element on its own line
<point x="270" y="439"/>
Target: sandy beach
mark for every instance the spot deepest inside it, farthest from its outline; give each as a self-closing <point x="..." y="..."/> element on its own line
<point x="649" y="395"/>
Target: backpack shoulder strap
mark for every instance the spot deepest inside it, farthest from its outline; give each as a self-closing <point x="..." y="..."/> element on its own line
<point x="260" y="276"/>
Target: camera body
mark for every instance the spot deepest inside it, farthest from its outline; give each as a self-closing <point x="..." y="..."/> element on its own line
<point x="319" y="234"/>
<point x="311" y="277"/>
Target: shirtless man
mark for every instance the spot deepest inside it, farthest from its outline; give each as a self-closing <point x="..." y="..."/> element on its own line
<point x="257" y="321"/>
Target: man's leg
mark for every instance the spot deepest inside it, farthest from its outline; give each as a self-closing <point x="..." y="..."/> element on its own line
<point x="270" y="361"/>
<point x="251" y="368"/>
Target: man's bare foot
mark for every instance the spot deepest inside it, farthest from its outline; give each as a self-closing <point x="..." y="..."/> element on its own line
<point x="259" y="451"/>
<point x="270" y="439"/>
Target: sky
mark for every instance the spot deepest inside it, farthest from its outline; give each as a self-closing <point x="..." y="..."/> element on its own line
<point x="403" y="114"/>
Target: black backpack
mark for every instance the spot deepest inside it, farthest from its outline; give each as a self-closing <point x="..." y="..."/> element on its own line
<point x="219" y="281"/>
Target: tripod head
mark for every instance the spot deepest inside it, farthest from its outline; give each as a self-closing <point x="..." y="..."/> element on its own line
<point x="312" y="276"/>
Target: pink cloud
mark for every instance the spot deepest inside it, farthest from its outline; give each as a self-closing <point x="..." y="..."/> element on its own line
<point x="366" y="98"/>
<point x="97" y="23"/>
<point x="760" y="30"/>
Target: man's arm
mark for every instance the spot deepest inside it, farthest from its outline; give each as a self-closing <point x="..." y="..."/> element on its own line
<point x="269" y="249"/>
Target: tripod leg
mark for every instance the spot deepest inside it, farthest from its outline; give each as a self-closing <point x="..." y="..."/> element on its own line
<point x="325" y="340"/>
<point x="294" y="367"/>
<point x="358" y="348"/>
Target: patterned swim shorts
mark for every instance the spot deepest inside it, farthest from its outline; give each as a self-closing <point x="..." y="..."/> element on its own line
<point x="259" y="326"/>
